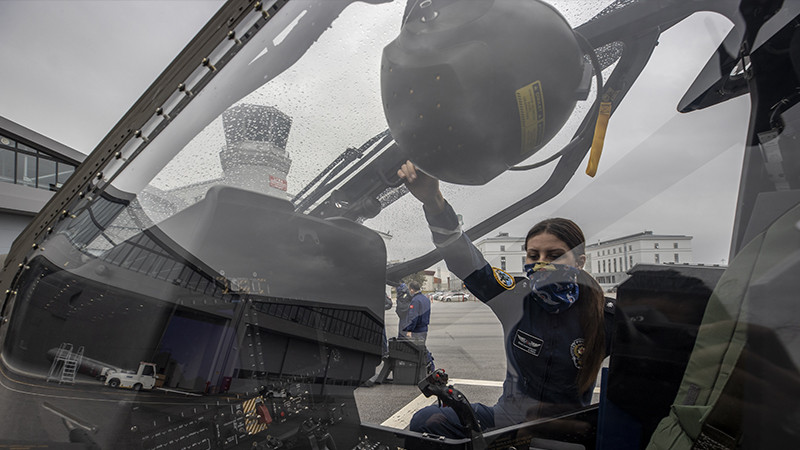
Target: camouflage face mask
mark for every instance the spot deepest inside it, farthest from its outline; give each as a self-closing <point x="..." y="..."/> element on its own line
<point x="553" y="286"/>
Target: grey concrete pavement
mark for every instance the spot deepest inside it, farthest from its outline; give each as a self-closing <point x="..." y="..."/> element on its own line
<point x="466" y="340"/>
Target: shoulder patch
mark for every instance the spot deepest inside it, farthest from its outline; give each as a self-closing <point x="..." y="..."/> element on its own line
<point x="503" y="278"/>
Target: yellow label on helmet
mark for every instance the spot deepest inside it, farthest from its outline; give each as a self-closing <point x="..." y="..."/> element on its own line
<point x="530" y="101"/>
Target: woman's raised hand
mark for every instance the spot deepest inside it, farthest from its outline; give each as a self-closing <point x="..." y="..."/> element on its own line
<point x="422" y="186"/>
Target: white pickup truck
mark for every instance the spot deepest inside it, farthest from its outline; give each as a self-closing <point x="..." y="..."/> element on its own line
<point x="144" y="378"/>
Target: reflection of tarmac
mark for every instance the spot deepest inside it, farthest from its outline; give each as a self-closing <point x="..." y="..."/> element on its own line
<point x="86" y="390"/>
<point x="465" y="338"/>
<point x="176" y="391"/>
<point x="51" y="410"/>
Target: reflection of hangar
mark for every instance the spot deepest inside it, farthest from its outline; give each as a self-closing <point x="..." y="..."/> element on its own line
<point x="208" y="298"/>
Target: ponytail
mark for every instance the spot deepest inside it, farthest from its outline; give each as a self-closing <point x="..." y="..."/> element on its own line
<point x="590" y="304"/>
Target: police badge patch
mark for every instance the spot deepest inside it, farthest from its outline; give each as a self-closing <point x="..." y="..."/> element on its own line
<point x="503" y="278"/>
<point x="576" y="350"/>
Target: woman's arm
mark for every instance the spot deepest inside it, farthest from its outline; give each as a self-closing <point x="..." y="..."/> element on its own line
<point x="461" y="256"/>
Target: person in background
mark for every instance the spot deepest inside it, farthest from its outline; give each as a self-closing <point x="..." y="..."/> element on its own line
<point x="408" y="309"/>
<point x="417" y="320"/>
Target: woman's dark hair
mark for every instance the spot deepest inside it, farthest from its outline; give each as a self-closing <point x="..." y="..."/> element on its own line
<point x="590" y="302"/>
<point x="564" y="229"/>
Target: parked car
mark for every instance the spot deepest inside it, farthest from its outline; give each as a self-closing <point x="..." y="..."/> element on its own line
<point x="455" y="297"/>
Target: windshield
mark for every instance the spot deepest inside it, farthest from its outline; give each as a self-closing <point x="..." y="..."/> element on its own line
<point x="252" y="266"/>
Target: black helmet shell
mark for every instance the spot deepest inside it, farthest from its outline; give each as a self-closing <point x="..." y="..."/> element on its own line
<point x="471" y="88"/>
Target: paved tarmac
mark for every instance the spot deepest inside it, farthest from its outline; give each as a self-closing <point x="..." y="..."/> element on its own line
<point x="466" y="340"/>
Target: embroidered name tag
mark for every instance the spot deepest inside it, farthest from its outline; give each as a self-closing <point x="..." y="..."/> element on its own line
<point x="528" y="343"/>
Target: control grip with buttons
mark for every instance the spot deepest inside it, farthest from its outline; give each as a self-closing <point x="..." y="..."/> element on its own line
<point x="435" y="384"/>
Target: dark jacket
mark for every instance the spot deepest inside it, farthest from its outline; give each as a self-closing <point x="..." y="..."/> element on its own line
<point x="419" y="314"/>
<point x="403" y="302"/>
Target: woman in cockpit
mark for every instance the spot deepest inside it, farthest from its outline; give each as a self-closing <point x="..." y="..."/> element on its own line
<point x="560" y="328"/>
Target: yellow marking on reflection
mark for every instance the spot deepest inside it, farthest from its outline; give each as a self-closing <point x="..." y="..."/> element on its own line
<point x="599" y="138"/>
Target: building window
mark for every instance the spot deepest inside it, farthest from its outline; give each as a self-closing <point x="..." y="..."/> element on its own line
<point x="655" y="245"/>
<point x="677" y="258"/>
<point x="604" y="267"/>
<point x="523" y="261"/>
<point x="502" y="248"/>
<point x="658" y="258"/>
<point x="615" y="264"/>
<point x="34" y="169"/>
<point x="674" y="245"/>
<point x="503" y="262"/>
<point x="598" y="267"/>
<point x="7" y="165"/>
<point x="522" y="247"/>
<point x="47" y="174"/>
<point x="630" y="248"/>
<point x="26" y="169"/>
<point x="631" y="257"/>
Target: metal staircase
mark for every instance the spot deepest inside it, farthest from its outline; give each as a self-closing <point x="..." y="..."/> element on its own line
<point x="65" y="364"/>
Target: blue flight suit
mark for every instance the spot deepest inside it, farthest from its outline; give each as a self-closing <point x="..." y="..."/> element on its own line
<point x="542" y="349"/>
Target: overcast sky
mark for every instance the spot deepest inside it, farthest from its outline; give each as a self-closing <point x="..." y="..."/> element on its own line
<point x="73" y="68"/>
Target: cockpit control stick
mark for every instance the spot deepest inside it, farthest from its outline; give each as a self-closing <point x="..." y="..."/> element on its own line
<point x="436" y="384"/>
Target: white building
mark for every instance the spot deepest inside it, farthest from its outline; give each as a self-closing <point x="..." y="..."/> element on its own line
<point x="504" y="252"/>
<point x="443" y="279"/>
<point x="608" y="261"/>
